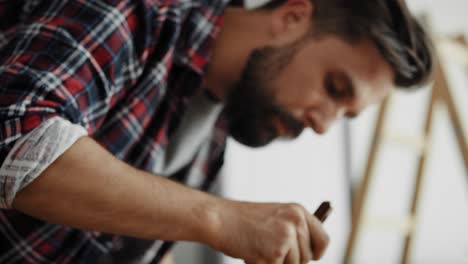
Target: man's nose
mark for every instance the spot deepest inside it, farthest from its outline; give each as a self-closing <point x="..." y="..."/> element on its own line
<point x="322" y="120"/>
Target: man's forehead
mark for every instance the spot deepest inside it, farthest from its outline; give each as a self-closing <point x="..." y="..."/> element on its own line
<point x="370" y="75"/>
<point x="367" y="67"/>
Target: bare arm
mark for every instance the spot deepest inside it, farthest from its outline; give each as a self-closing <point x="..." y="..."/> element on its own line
<point x="90" y="189"/>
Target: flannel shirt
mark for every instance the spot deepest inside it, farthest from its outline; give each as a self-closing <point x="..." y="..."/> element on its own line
<point x="123" y="71"/>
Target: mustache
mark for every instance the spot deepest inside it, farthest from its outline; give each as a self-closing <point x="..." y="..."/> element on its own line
<point x="292" y="124"/>
<point x="251" y="118"/>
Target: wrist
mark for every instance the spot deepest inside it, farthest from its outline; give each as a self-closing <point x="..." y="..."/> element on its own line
<point x="209" y="220"/>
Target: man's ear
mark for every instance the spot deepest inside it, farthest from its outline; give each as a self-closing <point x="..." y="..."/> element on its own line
<point x="290" y="21"/>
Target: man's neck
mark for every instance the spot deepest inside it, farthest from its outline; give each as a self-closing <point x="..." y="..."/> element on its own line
<point x="242" y="32"/>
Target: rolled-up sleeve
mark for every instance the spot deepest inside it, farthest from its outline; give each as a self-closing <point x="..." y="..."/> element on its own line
<point x="33" y="153"/>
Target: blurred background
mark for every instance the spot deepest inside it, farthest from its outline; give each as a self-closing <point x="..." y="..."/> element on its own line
<point x="316" y="168"/>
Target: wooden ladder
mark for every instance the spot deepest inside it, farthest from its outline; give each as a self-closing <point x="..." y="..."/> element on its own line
<point x="440" y="96"/>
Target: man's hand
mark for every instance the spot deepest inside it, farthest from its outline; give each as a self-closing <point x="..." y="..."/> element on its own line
<point x="270" y="233"/>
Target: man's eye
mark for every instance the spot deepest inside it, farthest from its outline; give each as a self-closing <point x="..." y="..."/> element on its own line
<point x="338" y="87"/>
<point x="332" y="89"/>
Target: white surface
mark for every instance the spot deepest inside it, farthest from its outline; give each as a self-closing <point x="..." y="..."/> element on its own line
<point x="448" y="16"/>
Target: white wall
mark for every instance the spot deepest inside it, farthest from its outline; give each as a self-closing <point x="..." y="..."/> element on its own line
<point x="448" y="16"/>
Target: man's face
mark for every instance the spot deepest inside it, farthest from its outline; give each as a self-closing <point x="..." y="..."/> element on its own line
<point x="308" y="84"/>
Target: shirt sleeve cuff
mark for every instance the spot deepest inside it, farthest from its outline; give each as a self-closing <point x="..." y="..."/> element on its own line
<point x="33" y="153"/>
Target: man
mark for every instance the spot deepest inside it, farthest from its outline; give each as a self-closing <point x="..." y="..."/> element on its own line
<point x="107" y="106"/>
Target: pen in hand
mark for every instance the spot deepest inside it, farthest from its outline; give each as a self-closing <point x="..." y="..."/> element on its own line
<point x="323" y="211"/>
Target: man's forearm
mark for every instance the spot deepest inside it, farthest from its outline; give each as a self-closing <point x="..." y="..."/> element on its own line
<point x="90" y="189"/>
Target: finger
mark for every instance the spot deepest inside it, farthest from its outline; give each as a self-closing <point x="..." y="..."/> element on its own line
<point x="259" y="262"/>
<point x="305" y="246"/>
<point x="293" y="256"/>
<point x="318" y="237"/>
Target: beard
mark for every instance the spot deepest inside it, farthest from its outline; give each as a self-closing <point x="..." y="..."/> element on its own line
<point x="251" y="110"/>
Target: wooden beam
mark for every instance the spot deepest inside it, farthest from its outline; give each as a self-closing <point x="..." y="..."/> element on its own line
<point x="361" y="195"/>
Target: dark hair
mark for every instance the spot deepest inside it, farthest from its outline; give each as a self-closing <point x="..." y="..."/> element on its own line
<point x="388" y="23"/>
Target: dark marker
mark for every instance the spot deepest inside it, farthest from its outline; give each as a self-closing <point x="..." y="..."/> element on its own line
<point x="323" y="211"/>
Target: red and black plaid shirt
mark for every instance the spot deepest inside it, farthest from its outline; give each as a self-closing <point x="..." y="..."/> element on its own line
<point x="122" y="69"/>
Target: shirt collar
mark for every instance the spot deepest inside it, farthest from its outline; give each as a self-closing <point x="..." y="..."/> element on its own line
<point x="199" y="32"/>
